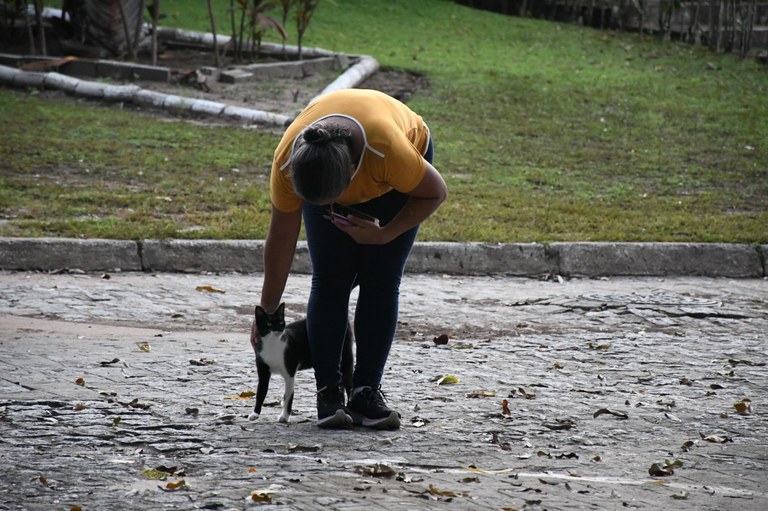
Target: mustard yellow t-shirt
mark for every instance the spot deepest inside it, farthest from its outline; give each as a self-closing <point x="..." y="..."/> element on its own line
<point x="395" y="140"/>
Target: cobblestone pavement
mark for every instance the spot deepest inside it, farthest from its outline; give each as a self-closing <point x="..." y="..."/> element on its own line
<point x="115" y="390"/>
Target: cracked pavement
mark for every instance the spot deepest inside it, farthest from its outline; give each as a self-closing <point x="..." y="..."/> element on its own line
<point x="565" y="395"/>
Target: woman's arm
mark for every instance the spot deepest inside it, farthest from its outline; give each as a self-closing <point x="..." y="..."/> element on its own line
<point x="279" y="249"/>
<point x="422" y="202"/>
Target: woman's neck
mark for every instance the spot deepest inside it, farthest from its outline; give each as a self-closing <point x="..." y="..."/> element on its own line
<point x="357" y="143"/>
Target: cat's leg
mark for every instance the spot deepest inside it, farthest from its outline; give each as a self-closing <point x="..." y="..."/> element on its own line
<point x="264" y="374"/>
<point x="287" y="398"/>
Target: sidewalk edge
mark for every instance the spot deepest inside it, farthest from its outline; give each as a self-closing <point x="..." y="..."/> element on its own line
<point x="579" y="259"/>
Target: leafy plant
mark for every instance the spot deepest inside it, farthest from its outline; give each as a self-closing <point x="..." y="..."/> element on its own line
<point x="304" y="11"/>
<point x="254" y="18"/>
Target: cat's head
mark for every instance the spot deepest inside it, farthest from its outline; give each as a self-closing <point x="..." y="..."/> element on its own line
<point x="267" y="323"/>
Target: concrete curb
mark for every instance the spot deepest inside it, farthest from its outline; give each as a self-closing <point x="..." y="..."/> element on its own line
<point x="593" y="259"/>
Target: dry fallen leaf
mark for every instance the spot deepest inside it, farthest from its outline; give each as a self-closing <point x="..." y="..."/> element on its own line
<point x="178" y="485"/>
<point x="441" y="339"/>
<point x="202" y="362"/>
<point x="141" y="406"/>
<point x="444" y="493"/>
<point x="505" y="412"/>
<point x="377" y="470"/>
<point x="717" y="439"/>
<point x="560" y="424"/>
<point x="144" y="346"/>
<point x="80" y="381"/>
<point x="527" y="395"/>
<point x="262" y="496"/>
<point x="209" y="289"/>
<point x="243" y="396"/>
<point x="476" y="470"/>
<point x="602" y="411"/>
<point x="744" y="407"/>
<point x="225" y="417"/>
<point x="660" y="470"/>
<point x="482" y="393"/>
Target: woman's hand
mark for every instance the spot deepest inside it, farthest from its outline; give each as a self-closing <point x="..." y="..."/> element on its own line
<point x="363" y="231"/>
<point x="423" y="200"/>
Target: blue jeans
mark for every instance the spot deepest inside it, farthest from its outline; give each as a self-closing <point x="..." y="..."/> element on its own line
<point x="338" y="265"/>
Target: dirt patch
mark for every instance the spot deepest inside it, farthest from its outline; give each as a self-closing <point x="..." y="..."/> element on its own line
<point x="286" y="96"/>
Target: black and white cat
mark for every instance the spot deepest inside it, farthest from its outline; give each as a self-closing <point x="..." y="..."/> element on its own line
<point x="284" y="350"/>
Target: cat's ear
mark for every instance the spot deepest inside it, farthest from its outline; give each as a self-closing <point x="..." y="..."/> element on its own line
<point x="281" y="309"/>
<point x="259" y="312"/>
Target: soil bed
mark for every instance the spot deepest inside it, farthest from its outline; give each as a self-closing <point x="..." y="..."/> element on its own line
<point x="285" y="96"/>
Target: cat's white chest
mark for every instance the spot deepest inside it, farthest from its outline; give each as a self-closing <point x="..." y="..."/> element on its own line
<point x="273" y="352"/>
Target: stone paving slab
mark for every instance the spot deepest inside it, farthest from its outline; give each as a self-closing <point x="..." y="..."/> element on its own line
<point x="602" y="379"/>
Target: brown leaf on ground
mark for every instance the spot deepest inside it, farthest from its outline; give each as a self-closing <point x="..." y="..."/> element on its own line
<point x="603" y="411"/>
<point x="505" y="412"/>
<point x="660" y="470"/>
<point x="209" y="289"/>
<point x="441" y="340"/>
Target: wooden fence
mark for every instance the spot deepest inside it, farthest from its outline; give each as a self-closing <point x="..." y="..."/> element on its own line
<point x="724" y="25"/>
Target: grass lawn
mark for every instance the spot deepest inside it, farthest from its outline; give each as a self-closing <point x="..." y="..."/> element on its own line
<point x="543" y="132"/>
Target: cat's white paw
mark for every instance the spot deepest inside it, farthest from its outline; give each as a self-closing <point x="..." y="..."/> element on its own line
<point x="283" y="418"/>
<point x="253" y="416"/>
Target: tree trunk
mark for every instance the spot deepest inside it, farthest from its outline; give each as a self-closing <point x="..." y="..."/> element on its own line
<point x="720" y="26"/>
<point x="109" y="28"/>
<point x="155" y="17"/>
<point x="30" y="35"/>
<point x="712" y="35"/>
<point x="747" y="28"/>
<point x="40" y="27"/>
<point x="216" y="61"/>
<point x="126" y="31"/>
<point x="695" y="25"/>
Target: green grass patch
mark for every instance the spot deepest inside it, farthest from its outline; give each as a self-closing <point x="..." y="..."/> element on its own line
<point x="544" y="132"/>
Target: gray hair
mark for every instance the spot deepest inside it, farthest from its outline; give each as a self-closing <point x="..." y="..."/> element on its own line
<point x="320" y="163"/>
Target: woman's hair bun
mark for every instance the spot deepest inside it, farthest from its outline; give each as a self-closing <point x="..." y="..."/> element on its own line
<point x="317" y="135"/>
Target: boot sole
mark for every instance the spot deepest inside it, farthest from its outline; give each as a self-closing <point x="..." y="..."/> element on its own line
<point x="392" y="421"/>
<point x="339" y="420"/>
